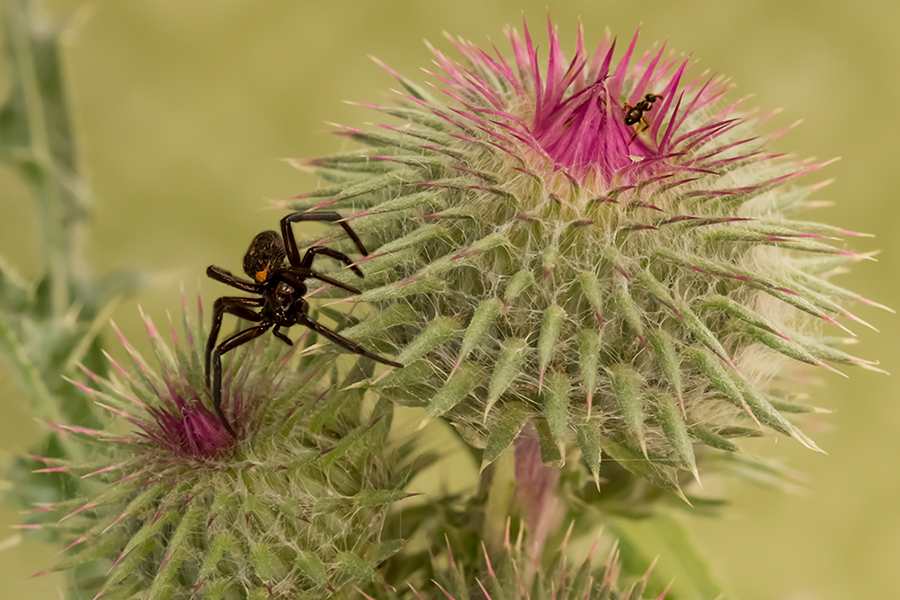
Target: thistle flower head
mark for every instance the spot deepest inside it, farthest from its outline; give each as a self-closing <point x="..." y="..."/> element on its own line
<point x="188" y="429"/>
<point x="178" y="507"/>
<point x="601" y="246"/>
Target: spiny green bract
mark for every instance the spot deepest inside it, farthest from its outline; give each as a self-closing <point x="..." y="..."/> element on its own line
<point x="176" y="508"/>
<point x="631" y="289"/>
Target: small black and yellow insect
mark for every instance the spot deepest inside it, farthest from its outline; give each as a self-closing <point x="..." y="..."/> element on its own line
<point x="635" y="114"/>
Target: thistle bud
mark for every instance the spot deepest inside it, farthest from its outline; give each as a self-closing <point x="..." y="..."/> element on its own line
<point x="175" y="506"/>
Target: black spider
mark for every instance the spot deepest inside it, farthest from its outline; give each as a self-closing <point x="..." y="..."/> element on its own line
<point x="281" y="289"/>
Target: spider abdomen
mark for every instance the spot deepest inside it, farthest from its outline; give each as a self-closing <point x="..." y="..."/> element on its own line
<point x="266" y="253"/>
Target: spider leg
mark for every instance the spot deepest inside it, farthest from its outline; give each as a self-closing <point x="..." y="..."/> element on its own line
<point x="290" y="243"/>
<point x="241" y="337"/>
<point x="311" y="254"/>
<point x="297" y="275"/>
<point x="344" y="342"/>
<point x="239" y="307"/>
<point x="228" y="278"/>
<point x="281" y="336"/>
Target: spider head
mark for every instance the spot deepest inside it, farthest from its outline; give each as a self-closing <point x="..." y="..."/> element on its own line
<point x="265" y="254"/>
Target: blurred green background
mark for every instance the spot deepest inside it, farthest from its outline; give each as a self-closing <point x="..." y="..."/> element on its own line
<point x="185" y="108"/>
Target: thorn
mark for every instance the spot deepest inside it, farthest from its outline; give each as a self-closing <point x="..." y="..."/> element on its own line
<point x="803" y="439"/>
<point x="877" y="305"/>
<point x="339" y="301"/>
<point x="367" y="258"/>
<point x="834" y="322"/>
<point x="382" y="376"/>
<point x="487" y="409"/>
<point x="565" y="541"/>
<point x="850" y="315"/>
<point x="855" y="233"/>
<point x="85" y="507"/>
<point x="75" y="543"/>
<point x="681" y="495"/>
<point x="646" y="575"/>
<point x="869" y="367"/>
<point x="81" y="386"/>
<point x="365" y="595"/>
<point x="52" y="470"/>
<point x="752" y="416"/>
<point x="696" y="475"/>
<point x="828" y="367"/>
<point x="590" y="555"/>
<point x="354" y="386"/>
<point x="487" y="560"/>
<point x="455" y="366"/>
<point x="666" y="591"/>
<point x="148" y="323"/>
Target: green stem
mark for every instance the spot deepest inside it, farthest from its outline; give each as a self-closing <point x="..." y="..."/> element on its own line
<point x="51" y="152"/>
<point x="499" y="500"/>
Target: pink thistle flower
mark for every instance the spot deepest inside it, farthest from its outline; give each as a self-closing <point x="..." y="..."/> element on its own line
<point x="188" y="428"/>
<point x="568" y="117"/>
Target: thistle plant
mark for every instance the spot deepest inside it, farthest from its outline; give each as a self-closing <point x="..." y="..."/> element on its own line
<point x="291" y="507"/>
<point x="51" y="316"/>
<point x="602" y="246"/>
<point x="591" y="267"/>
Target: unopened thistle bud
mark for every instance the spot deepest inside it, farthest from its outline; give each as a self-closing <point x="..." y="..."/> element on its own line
<point x="175" y="507"/>
<point x="602" y="246"/>
<point x="513" y="575"/>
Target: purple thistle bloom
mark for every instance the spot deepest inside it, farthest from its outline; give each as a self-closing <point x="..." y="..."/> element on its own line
<point x="171" y="415"/>
<point x="188" y="428"/>
<point x="569" y="117"/>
